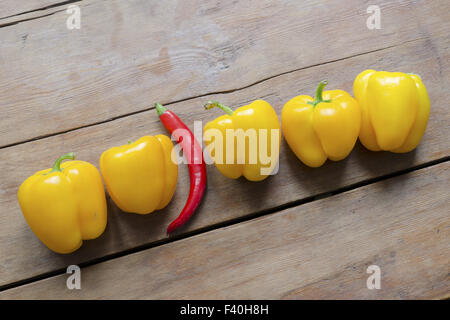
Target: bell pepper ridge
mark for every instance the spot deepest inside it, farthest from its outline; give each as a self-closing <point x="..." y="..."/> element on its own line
<point x="258" y="116"/>
<point x="74" y="208"/>
<point x="317" y="129"/>
<point x="128" y="165"/>
<point x="395" y="108"/>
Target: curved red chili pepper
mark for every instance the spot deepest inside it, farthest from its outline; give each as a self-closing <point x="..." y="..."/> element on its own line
<point x="196" y="164"/>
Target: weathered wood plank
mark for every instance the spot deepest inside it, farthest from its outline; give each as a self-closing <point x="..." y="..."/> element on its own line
<point x="319" y="250"/>
<point x="13" y="7"/>
<point x="22" y="255"/>
<point x="129" y="53"/>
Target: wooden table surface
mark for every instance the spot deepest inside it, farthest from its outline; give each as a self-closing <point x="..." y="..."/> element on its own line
<point x="303" y="233"/>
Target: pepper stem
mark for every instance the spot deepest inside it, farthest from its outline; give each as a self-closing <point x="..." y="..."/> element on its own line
<point x="160" y="109"/>
<point x="319" y="91"/>
<point x="212" y="104"/>
<point x="57" y="164"/>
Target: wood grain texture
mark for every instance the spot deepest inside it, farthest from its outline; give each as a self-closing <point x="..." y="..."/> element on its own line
<point x="128" y="54"/>
<point x="10" y="8"/>
<point x="320" y="250"/>
<point x="23" y="256"/>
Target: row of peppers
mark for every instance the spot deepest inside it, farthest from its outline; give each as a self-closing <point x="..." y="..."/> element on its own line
<point x="66" y="204"/>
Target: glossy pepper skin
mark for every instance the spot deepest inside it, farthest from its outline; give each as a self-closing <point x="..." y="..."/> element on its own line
<point x="64" y="205"/>
<point x="140" y="176"/>
<point x="196" y="164"/>
<point x="321" y="128"/>
<point x="257" y="115"/>
<point x="395" y="109"/>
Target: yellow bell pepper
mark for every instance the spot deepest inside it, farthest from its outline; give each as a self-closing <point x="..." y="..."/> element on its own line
<point x="252" y="147"/>
<point x="322" y="128"/>
<point x="140" y="177"/>
<point x="64" y="205"/>
<point x="395" y="110"/>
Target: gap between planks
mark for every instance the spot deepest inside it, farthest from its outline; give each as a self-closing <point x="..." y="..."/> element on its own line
<point x="126" y="231"/>
<point x="208" y="94"/>
<point x="227" y="223"/>
<point x="211" y="56"/>
<point x="55" y="5"/>
<point x="322" y="283"/>
<point x="435" y="142"/>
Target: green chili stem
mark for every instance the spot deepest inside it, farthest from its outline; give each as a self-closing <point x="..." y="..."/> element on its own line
<point x="160" y="109"/>
<point x="212" y="104"/>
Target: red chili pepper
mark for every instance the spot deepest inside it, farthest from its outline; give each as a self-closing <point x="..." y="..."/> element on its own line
<point x="196" y="164"/>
